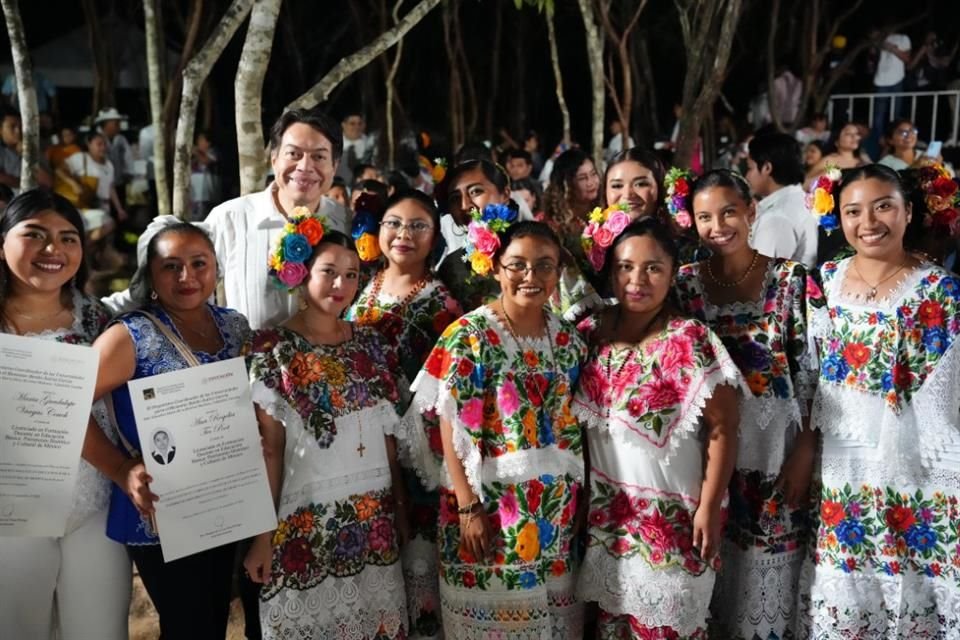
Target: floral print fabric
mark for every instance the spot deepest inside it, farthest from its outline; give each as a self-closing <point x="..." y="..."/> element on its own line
<point x="768" y="340"/>
<point x="886" y="555"/>
<point x="508" y="402"/>
<point x="641" y="409"/>
<point x="336" y="562"/>
<point x="413" y="330"/>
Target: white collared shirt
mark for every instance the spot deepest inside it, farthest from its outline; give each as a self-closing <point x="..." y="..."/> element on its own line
<point x="245" y="230"/>
<point x="785" y="228"/>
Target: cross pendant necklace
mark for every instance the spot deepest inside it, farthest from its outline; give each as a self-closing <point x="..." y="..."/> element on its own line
<point x="360" y="447"/>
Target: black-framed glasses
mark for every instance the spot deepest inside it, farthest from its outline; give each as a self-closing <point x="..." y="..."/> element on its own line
<point x="415" y="228"/>
<point x="518" y="270"/>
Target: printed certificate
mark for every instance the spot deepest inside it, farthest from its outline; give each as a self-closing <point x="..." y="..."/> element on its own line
<point x="201" y="445"/>
<point x="46" y="390"/>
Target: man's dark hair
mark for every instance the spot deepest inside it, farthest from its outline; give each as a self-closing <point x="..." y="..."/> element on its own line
<point x="513" y="152"/>
<point x="316" y="119"/>
<point x="8" y="112"/>
<point x="783" y="153"/>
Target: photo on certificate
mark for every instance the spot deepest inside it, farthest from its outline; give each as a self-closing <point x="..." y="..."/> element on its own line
<point x="46" y="390"/>
<point x="201" y="446"/>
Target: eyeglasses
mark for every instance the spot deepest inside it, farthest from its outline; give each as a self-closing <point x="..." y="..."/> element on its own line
<point x="518" y="270"/>
<point x="415" y="228"/>
<point x="906" y="133"/>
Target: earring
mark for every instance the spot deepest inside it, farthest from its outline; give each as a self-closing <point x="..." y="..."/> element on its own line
<point x="303" y="304"/>
<point x="153" y="295"/>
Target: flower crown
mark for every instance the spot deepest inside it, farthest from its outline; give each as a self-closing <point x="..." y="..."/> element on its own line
<point x="301" y="234"/>
<point x="677" y="184"/>
<point x="820" y="200"/>
<point x="365" y="227"/>
<point x="483" y="235"/>
<point x="602" y="229"/>
<point x="942" y="197"/>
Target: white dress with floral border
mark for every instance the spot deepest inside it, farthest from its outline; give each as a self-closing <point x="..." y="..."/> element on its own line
<point x="887" y="558"/>
<point x="646" y="471"/>
<point x="508" y="403"/>
<point x="336" y="571"/>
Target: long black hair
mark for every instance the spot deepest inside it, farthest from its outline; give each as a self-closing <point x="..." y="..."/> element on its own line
<point x="28" y="205"/>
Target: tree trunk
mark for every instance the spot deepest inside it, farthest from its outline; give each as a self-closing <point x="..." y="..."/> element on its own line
<point x="391" y="89"/>
<point x="491" y="97"/>
<point x="772" y="65"/>
<point x="649" y="85"/>
<point x="706" y="64"/>
<point x="171" y="101"/>
<point x="455" y="94"/>
<point x="194" y="76"/>
<point x="26" y="93"/>
<point x="361" y="58"/>
<point x="517" y="111"/>
<point x="154" y="51"/>
<point x="103" y="81"/>
<point x="248" y="94"/>
<point x="469" y="101"/>
<point x="558" y="77"/>
<point x="620" y="42"/>
<point x="595" y="58"/>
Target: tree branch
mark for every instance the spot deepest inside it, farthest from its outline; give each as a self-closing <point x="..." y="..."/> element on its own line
<point x="26" y="93"/>
<point x="343" y="69"/>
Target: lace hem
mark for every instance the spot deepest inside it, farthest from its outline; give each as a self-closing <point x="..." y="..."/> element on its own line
<point x="656" y="598"/>
<point x="684" y="427"/>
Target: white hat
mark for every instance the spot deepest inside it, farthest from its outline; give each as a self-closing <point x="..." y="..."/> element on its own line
<point x="105" y="115"/>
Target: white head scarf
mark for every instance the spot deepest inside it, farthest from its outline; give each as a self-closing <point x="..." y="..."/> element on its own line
<point x="139" y="285"/>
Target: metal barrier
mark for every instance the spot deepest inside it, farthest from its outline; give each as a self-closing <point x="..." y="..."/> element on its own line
<point x="938" y="113"/>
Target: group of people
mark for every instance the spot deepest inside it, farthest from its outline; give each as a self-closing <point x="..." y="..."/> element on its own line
<point x="626" y="421"/>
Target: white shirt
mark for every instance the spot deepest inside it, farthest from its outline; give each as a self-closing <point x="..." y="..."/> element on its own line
<point x="82" y="164"/>
<point x="121" y="156"/>
<point x="785" y="228"/>
<point x="245" y="231"/>
<point x="890" y="68"/>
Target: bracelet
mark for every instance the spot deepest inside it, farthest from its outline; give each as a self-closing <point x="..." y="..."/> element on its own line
<point x="469" y="508"/>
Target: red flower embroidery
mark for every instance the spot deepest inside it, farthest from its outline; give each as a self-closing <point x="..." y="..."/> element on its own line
<point x="856" y="354"/>
<point x="438" y="362"/>
<point x="930" y="313"/>
<point x="620" y="508"/>
<point x="296" y="556"/>
<point x="563" y="339"/>
<point x="534" y="492"/>
<point x="900" y="518"/>
<point x="831" y="513"/>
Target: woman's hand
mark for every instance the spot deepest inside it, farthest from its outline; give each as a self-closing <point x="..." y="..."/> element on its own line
<point x="706" y="532"/>
<point x="132" y="477"/>
<point x="476" y="534"/>
<point x="259" y="558"/>
<point x="797" y="470"/>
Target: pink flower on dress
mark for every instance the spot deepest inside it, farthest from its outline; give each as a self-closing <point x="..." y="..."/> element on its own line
<point x="472" y="413"/>
<point x="627" y="379"/>
<point x="508" y="399"/>
<point x="657" y="531"/>
<point x="594" y="384"/>
<point x="509" y="510"/>
<point x="659" y="393"/>
<point x="676" y="353"/>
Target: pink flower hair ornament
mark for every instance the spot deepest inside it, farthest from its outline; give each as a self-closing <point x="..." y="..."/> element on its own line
<point x="602" y="229"/>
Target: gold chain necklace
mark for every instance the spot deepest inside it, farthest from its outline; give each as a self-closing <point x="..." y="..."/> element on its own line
<point x="26" y="316"/>
<point x="738" y="281"/>
<point x="516" y="340"/>
<point x="872" y="294"/>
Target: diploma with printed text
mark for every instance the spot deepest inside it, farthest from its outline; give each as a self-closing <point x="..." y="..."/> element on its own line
<point x="46" y="390"/>
<point x="201" y="445"/>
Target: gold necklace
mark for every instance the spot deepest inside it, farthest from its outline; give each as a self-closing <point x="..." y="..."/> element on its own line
<point x="26" y="316"/>
<point x="738" y="281"/>
<point x="872" y="295"/>
<point x="516" y="340"/>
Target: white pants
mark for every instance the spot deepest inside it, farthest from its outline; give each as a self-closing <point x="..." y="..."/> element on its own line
<point x="82" y="578"/>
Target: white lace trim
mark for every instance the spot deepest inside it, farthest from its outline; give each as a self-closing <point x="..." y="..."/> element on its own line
<point x="352" y="608"/>
<point x="685" y="426"/>
<point x="904" y="283"/>
<point x="767" y="428"/>
<point x="656" y="598"/>
<point x="863" y="605"/>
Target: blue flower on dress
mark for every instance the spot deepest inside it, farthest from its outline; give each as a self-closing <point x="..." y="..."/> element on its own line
<point x="850" y="532"/>
<point x="886" y="381"/>
<point x="296" y="248"/>
<point x="476" y="376"/>
<point x="350" y="541"/>
<point x="546" y="428"/>
<point x="547" y="479"/>
<point x="574" y="374"/>
<point x="528" y="580"/>
<point x="950" y="285"/>
<point x="753" y="356"/>
<point x="921" y="537"/>
<point x="547" y="532"/>
<point x="780" y="387"/>
<point x="935" y="339"/>
<point x="835" y="368"/>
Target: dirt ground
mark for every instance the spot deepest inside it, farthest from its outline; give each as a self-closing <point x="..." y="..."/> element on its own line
<point x="144" y="623"/>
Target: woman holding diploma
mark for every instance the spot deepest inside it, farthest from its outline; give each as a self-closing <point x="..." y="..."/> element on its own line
<point x="42" y="275"/>
<point x="174" y="328"/>
<point x="325" y="397"/>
